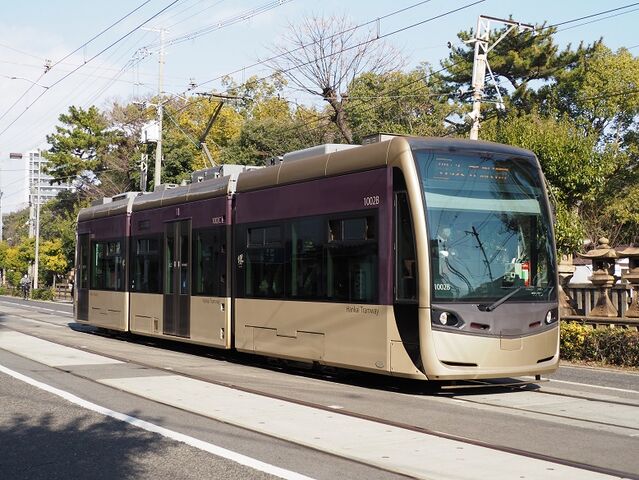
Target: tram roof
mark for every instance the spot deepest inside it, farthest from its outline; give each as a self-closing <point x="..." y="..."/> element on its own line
<point x="217" y="187"/>
<point x="365" y="157"/>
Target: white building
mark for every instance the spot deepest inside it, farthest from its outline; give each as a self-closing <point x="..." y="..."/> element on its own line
<point x="24" y="183"/>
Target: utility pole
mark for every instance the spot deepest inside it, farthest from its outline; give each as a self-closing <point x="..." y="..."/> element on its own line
<point x="480" y="62"/>
<point x="37" y="226"/>
<point x="1" y="218"/>
<point x="158" y="152"/>
<point x="144" y="162"/>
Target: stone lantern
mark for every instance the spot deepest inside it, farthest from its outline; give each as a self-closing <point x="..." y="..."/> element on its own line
<point x="603" y="268"/>
<point x="632" y="276"/>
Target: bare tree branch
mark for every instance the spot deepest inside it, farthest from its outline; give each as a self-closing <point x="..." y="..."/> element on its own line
<point x="323" y="55"/>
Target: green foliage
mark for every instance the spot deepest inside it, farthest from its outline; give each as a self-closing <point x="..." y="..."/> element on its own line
<point x="609" y="346"/>
<point x="397" y="102"/>
<point x="569" y="229"/>
<point x="43" y="294"/>
<point x="91" y="150"/>
<point x="568" y="157"/>
<point x="517" y="60"/>
<point x="16" y="226"/>
<point x="600" y="101"/>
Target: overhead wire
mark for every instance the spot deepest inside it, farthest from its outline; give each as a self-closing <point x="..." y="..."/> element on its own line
<point x="97" y="35"/>
<point x="561" y="23"/>
<point x="222" y="24"/>
<point x="425" y="77"/>
<point x="111" y="45"/>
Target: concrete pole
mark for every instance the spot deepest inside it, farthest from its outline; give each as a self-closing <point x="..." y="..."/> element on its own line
<point x="158" y="152"/>
<point x="479" y="74"/>
<point x="37" y="227"/>
<point x="1" y="218"/>
<point x="480" y="62"/>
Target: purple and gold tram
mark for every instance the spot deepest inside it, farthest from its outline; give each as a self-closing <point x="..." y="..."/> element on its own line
<point x="416" y="257"/>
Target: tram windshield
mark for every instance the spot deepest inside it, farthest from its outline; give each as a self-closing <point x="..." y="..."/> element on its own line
<point x="489" y="228"/>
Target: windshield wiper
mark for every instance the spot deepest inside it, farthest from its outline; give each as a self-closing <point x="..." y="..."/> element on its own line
<point x="489" y="308"/>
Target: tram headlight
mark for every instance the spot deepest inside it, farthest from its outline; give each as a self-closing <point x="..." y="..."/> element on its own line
<point x="552" y="316"/>
<point x="442" y="318"/>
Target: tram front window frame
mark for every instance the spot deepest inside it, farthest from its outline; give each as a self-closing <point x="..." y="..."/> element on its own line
<point x="489" y="228"/>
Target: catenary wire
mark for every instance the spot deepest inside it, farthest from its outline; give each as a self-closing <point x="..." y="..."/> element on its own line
<point x="89" y="60"/>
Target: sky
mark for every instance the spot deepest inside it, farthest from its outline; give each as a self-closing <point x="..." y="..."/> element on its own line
<point x="46" y="64"/>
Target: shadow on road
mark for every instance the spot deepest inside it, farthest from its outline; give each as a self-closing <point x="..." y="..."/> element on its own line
<point x="46" y="448"/>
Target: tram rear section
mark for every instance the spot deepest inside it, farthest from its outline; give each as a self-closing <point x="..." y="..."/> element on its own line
<point x="419" y="258"/>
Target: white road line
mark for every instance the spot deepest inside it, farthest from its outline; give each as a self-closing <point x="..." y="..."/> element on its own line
<point x="596" y="369"/>
<point x="594" y="386"/>
<point x="151" y="427"/>
<point x="24" y="319"/>
<point x="20" y="305"/>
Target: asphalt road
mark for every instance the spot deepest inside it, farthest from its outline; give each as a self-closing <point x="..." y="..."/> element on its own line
<point x="81" y="440"/>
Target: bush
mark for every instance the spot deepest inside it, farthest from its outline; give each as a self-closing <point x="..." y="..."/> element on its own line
<point x="43" y="294"/>
<point x="611" y="346"/>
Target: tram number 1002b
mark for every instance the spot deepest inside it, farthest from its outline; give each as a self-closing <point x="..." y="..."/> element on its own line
<point x="371" y="201"/>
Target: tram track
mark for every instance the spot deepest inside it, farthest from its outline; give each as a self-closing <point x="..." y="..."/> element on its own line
<point x="341" y="411"/>
<point x="563" y="417"/>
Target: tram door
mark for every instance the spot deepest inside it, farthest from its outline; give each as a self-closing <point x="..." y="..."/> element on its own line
<point x="177" y="278"/>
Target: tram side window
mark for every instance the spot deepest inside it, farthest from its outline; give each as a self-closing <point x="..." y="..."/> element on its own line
<point x="209" y="273"/>
<point x="83" y="261"/>
<point x="351" y="266"/>
<point x="107" y="272"/>
<point x="306" y="267"/>
<point x="264" y="270"/>
<point x="146" y="275"/>
<point x="405" y="260"/>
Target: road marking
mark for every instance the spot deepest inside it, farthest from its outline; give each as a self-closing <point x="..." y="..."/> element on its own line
<point x="165" y="432"/>
<point x="594" y="386"/>
<point x="25" y="319"/>
<point x="20" y="305"/>
<point x="596" y="369"/>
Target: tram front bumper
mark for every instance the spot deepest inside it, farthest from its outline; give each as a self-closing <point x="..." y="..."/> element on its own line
<point x="454" y="356"/>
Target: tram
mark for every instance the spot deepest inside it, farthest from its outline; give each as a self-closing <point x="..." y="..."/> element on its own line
<point x="424" y="258"/>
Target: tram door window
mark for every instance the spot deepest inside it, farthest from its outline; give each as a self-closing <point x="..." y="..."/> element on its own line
<point x="209" y="262"/>
<point x="82" y="277"/>
<point x="264" y="272"/>
<point x="405" y="259"/>
<point x="107" y="272"/>
<point x="177" y="274"/>
<point x="146" y="262"/>
<point x="351" y="266"/>
<point x="306" y="265"/>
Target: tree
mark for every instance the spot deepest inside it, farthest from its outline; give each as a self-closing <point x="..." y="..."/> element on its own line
<point x="52" y="260"/>
<point x="517" y="62"/>
<point x="323" y="55"/>
<point x="599" y="91"/>
<point x="409" y="103"/>
<point x="271" y="125"/>
<point x="576" y="170"/>
<point x="16" y="226"/>
<point x="92" y="151"/>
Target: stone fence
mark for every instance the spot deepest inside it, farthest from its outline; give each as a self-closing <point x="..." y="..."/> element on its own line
<point x="606" y="299"/>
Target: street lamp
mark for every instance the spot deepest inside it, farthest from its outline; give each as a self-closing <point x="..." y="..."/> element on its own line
<point x="26" y="80"/>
